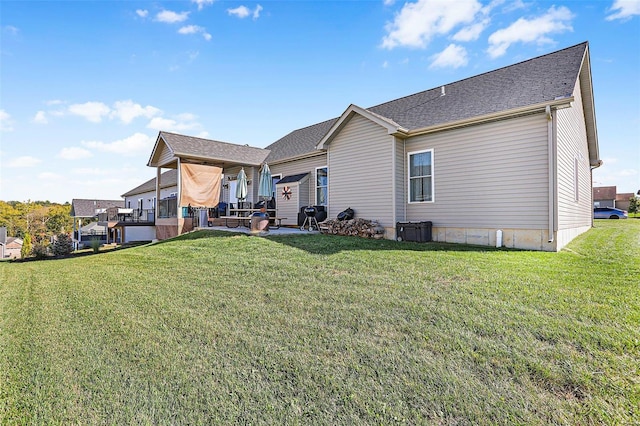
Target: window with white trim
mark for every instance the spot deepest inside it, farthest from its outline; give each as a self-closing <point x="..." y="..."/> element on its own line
<point x="322" y="186"/>
<point x="420" y="176"/>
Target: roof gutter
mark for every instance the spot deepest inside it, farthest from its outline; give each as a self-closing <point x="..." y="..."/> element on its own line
<point x="557" y="104"/>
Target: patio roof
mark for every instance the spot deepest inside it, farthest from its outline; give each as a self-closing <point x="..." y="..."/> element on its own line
<point x="170" y="147"/>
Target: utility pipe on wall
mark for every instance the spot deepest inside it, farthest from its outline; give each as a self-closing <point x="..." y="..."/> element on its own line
<point x="551" y="146"/>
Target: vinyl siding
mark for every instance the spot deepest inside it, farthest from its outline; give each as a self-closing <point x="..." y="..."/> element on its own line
<point x="305" y="165"/>
<point x="299" y="198"/>
<point x="252" y="190"/>
<point x="492" y="175"/>
<point x="572" y="146"/>
<point x="165" y="155"/>
<point x="361" y="171"/>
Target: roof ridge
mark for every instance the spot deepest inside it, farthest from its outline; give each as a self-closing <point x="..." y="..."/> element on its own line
<point x="586" y="43"/>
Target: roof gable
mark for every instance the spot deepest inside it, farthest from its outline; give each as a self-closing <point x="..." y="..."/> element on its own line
<point x="391" y="126"/>
<point x="171" y="146"/>
<point x="547" y="79"/>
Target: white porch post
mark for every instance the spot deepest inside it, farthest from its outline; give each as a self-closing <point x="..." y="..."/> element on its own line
<point x="155" y="207"/>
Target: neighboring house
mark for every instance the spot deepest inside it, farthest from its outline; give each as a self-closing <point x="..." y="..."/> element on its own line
<point x="88" y="210"/>
<point x="12" y="248"/>
<point x="604" y="196"/>
<point x="143" y="201"/>
<point x="509" y="150"/>
<point x="607" y="196"/>
<point x="624" y="200"/>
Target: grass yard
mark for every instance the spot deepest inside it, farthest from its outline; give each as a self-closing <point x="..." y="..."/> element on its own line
<point x="224" y="328"/>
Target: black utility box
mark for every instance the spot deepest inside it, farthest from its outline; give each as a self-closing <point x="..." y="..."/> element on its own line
<point x="413" y="231"/>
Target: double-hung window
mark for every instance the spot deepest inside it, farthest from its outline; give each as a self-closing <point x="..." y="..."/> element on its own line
<point x="420" y="176"/>
<point x="322" y="181"/>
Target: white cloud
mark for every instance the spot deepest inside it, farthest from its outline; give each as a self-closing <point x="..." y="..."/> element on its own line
<point x="385" y="64"/>
<point x="627" y="172"/>
<point x="555" y="20"/>
<point x="6" y="122"/>
<point x="453" y="56"/>
<point x="471" y="32"/>
<point x="256" y="12"/>
<point x="171" y="17"/>
<point x="240" y="11"/>
<point x="40" y="118"/>
<point x="133" y="145"/>
<point x="10" y="29"/>
<point x="142" y="13"/>
<point x="54" y="102"/>
<point x="195" y="29"/>
<point x="202" y="3"/>
<point x="24" y="161"/>
<point x="74" y="153"/>
<point x="417" y="23"/>
<point x="92" y="111"/>
<point x="389" y="2"/>
<point x="127" y="111"/>
<point x="624" y="9"/>
<point x="45" y="176"/>
<point x="184" y="122"/>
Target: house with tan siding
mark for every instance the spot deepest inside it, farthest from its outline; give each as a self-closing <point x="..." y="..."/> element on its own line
<point x="510" y="150"/>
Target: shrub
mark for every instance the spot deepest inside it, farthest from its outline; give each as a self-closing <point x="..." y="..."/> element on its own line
<point x="25" y="251"/>
<point x="40" y="250"/>
<point x="95" y="244"/>
<point x="63" y="245"/>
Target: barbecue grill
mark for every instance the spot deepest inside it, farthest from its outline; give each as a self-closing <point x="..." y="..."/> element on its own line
<point x="310" y="220"/>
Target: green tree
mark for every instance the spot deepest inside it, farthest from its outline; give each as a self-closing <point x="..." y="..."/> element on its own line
<point x="59" y="219"/>
<point x="63" y="245"/>
<point x="634" y="204"/>
<point x="25" y="251"/>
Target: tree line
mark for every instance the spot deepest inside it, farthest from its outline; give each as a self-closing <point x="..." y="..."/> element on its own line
<point x="39" y="219"/>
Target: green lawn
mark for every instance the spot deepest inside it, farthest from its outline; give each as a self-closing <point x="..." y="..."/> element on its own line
<point x="224" y="328"/>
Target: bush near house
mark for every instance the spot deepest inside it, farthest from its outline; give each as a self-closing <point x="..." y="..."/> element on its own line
<point x="218" y="328"/>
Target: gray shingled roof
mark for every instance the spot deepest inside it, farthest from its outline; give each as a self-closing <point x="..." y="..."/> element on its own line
<point x="541" y="79"/>
<point x="299" y="142"/>
<point x="190" y="146"/>
<point x="87" y="208"/>
<point x="531" y="82"/>
<point x="167" y="179"/>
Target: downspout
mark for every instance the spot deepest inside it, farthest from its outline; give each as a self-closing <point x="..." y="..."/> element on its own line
<point x="551" y="147"/>
<point x="405" y="173"/>
<point x="394" y="180"/>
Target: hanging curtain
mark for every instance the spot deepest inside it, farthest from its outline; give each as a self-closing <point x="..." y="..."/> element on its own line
<point x="199" y="185"/>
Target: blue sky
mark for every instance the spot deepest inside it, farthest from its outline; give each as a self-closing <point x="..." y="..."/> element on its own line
<point x="85" y="86"/>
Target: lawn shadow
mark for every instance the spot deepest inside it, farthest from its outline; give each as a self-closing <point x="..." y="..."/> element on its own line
<point x="331" y="244"/>
<point x="324" y="244"/>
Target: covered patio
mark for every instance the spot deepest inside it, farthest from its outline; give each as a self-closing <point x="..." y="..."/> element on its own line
<point x="206" y="176"/>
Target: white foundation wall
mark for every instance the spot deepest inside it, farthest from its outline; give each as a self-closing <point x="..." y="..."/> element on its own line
<point x="139" y="233"/>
